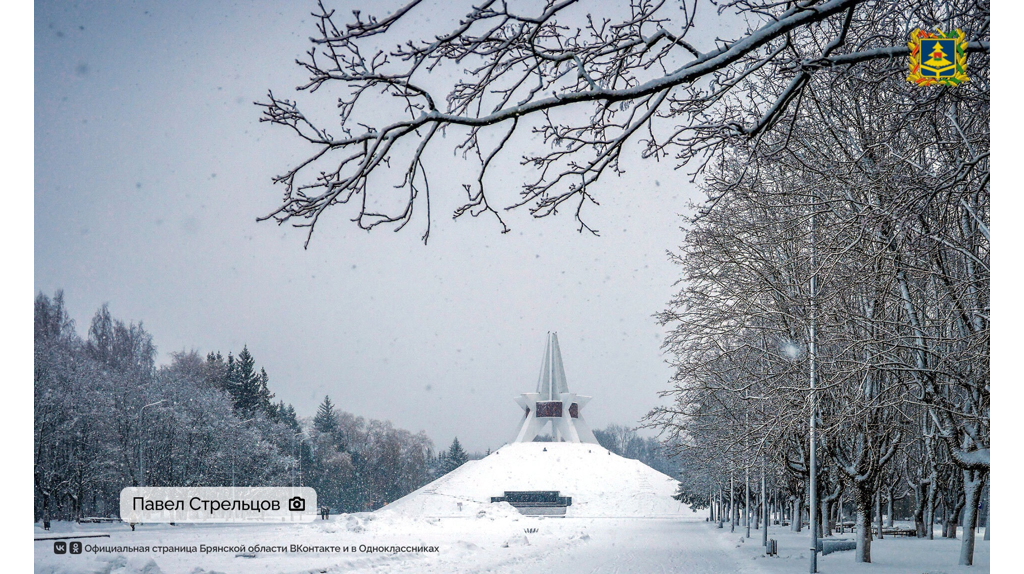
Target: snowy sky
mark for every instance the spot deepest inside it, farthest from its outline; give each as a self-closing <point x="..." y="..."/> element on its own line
<point x="150" y="171"/>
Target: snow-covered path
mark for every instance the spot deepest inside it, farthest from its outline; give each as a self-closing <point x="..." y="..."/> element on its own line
<point x="493" y="544"/>
<point x="649" y="546"/>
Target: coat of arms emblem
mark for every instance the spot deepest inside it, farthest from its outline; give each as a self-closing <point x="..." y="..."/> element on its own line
<point x="938" y="59"/>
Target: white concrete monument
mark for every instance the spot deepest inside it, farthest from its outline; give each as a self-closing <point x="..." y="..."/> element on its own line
<point x="553" y="403"/>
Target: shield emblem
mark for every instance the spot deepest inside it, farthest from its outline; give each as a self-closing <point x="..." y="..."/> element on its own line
<point x="937" y="59"/>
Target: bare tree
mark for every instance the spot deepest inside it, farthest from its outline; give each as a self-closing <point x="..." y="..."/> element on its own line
<point x="583" y="79"/>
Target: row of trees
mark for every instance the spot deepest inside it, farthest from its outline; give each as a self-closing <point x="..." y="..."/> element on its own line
<point x="106" y="417"/>
<point x="848" y="251"/>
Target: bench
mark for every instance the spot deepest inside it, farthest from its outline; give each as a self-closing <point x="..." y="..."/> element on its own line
<point x="536" y="502"/>
<point x="98" y="520"/>
<point x="890" y="530"/>
<point x="829" y="545"/>
<point x="899" y="531"/>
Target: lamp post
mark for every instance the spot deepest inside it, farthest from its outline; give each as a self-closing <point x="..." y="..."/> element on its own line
<point x="764" y="504"/>
<point x="746" y="475"/>
<point x="234" y="454"/>
<point x="812" y="348"/>
<point x="142" y="468"/>
<point x="732" y="502"/>
<point x="764" y="487"/>
<point x="298" y="452"/>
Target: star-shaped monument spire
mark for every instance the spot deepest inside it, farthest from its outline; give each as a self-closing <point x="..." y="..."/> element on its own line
<point x="553" y="403"/>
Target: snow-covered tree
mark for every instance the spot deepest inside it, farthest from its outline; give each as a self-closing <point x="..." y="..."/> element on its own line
<point x="249" y="389"/>
<point x="102" y="408"/>
<point x="285" y="413"/>
<point x="453" y="458"/>
<point x="895" y="211"/>
<point x="326" y="420"/>
<point x="567" y="86"/>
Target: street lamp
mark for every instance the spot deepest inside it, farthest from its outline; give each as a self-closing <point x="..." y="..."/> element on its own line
<point x="234" y="454"/>
<point x="792" y="351"/>
<point x="142" y="468"/>
<point x="812" y="349"/>
<point x="746" y="473"/>
<point x="298" y="452"/>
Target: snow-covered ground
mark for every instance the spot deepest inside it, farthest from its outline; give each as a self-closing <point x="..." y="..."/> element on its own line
<point x="601" y="483"/>
<point x="497" y="542"/>
<point x="622" y="519"/>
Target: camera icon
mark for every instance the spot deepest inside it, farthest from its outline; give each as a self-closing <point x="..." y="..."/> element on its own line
<point x="297" y="504"/>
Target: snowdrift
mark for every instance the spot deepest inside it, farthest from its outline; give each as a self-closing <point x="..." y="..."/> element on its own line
<point x="601" y="484"/>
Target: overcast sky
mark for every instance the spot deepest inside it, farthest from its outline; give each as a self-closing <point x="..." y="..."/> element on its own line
<point x="151" y="168"/>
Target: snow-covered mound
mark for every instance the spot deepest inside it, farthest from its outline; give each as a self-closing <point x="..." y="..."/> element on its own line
<point x="601" y="484"/>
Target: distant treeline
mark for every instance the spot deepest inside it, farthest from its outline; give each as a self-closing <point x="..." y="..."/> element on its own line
<point x="624" y="441"/>
<point x="107" y="418"/>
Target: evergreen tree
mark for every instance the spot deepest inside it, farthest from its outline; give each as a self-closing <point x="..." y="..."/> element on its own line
<point x="230" y="381"/>
<point x="440" y="464"/>
<point x="326" y="420"/>
<point x="249" y="389"/>
<point x="247" y="382"/>
<point x="455" y="456"/>
<point x="264" y="398"/>
<point x="285" y="414"/>
<point x="215" y="371"/>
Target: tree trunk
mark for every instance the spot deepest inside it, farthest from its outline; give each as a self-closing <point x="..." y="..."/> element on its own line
<point x="954" y="517"/>
<point x="842" y="528"/>
<point x="732" y="505"/>
<point x="711" y="506"/>
<point x="746" y="500"/>
<point x="888" y="507"/>
<point x="776" y="515"/>
<point x="945" y="520"/>
<point x="823" y="519"/>
<point x="720" y="509"/>
<point x="920" y="501"/>
<point x="832" y="516"/>
<point x="46" y="510"/>
<point x="765" y="509"/>
<point x="930" y="508"/>
<point x="798" y="513"/>
<point x="878" y="511"/>
<point x="988" y="511"/>
<point x="974" y="481"/>
<point x="864" y="499"/>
